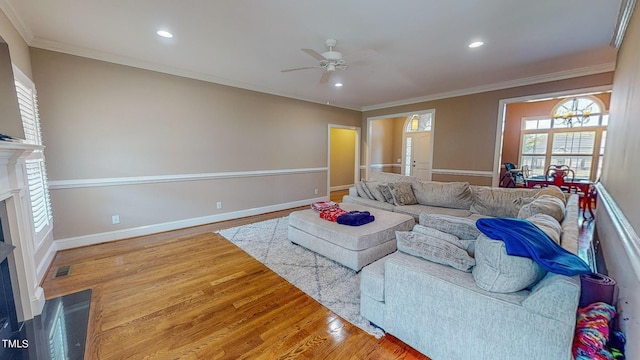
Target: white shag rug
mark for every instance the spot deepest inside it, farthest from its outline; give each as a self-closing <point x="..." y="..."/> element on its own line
<point x="331" y="284"/>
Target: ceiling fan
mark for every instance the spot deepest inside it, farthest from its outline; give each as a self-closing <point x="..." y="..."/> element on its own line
<point x="329" y="61"/>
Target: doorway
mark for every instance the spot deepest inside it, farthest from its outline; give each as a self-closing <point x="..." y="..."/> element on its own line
<point x="511" y="126"/>
<point x="401" y="143"/>
<point x="417" y="145"/>
<point x="343" y="157"/>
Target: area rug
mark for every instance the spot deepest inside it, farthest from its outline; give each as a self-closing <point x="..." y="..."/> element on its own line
<point x="329" y="283"/>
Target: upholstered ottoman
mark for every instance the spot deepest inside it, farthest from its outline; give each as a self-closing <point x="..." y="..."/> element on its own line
<point x="351" y="246"/>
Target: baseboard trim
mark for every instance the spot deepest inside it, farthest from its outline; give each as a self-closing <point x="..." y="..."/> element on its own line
<point x="92" y="239"/>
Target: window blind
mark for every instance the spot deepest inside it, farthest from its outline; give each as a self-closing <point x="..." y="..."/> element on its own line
<point x="35" y="163"/>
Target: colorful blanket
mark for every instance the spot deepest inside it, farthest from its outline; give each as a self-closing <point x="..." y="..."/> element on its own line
<point x="592" y="332"/>
<point x="324" y="205"/>
<point x="331" y="214"/>
<point x="523" y="238"/>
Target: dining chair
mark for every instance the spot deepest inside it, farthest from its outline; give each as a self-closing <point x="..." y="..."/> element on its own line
<point x="560" y="176"/>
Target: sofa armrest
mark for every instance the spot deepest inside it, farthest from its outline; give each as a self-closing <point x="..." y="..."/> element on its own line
<point x="555" y="297"/>
<point x="353" y="191"/>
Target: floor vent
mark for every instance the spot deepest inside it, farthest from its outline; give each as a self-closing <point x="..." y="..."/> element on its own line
<point x="62" y="271"/>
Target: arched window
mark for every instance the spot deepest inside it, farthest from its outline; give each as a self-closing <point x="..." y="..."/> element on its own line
<point x="419" y="122"/>
<point x="574" y="135"/>
<point x="577" y="112"/>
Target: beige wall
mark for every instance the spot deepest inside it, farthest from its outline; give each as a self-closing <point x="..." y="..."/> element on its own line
<point x="13" y="50"/>
<point x="465" y="126"/>
<point x="10" y="120"/>
<point x="618" y="213"/>
<point x="343" y="152"/>
<point x="386" y="144"/>
<point x="103" y="121"/>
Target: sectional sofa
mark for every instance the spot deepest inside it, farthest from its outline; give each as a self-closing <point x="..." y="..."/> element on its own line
<point x="470" y="301"/>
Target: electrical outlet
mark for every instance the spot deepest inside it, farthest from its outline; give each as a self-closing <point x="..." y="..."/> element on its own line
<point x="219" y="205"/>
<point x="115" y="219"/>
<point x="315" y="191"/>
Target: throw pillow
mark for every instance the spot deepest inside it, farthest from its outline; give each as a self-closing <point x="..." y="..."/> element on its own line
<point x="386" y="192"/>
<point x="452" y="239"/>
<point x="499" y="272"/>
<point x="374" y="189"/>
<point x="553" y="191"/>
<point x="434" y="249"/>
<point x="550" y="190"/>
<point x="362" y="192"/>
<point x="545" y="204"/>
<point x="548" y="225"/>
<point x="463" y="228"/>
<point x="402" y="194"/>
<point x="431" y="232"/>
<point x="453" y="195"/>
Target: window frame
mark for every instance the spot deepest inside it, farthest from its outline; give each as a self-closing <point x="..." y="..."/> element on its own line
<point x="552" y="131"/>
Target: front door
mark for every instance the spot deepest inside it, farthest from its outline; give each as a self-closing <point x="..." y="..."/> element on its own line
<point x="420" y="156"/>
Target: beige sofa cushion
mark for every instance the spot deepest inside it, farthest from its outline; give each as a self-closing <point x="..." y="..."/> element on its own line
<point x="499" y="202"/>
<point x="454" y="195"/>
<point x="497" y="271"/>
<point x="434" y="249"/>
<point x="548" y="225"/>
<point x="463" y="228"/>
<point x="545" y="204"/>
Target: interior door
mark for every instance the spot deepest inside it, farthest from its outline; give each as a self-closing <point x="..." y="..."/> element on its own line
<point x="420" y="156"/>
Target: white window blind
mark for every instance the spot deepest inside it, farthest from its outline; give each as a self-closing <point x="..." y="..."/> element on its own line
<point x="35" y="163"/>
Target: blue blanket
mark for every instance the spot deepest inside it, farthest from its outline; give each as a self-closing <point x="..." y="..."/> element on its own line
<point x="355" y="218"/>
<point x="523" y="238"/>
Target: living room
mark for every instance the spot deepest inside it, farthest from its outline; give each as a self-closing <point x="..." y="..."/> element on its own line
<point x="163" y="149"/>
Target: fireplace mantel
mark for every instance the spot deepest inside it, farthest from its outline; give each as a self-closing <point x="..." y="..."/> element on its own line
<point x="17" y="225"/>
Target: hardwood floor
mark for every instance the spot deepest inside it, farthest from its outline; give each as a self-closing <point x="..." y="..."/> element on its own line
<point x="191" y="294"/>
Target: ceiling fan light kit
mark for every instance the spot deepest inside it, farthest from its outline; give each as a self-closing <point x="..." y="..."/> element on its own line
<point x="329" y="60"/>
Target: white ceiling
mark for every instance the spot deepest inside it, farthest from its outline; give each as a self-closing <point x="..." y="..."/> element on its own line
<point x="398" y="51"/>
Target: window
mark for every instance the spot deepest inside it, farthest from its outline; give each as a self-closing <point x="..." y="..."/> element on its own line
<point x="420" y="122"/>
<point x="574" y="135"/>
<point x="35" y="163"/>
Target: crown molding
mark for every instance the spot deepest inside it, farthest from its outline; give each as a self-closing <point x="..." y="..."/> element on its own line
<point x="5" y="5"/>
<point x="148" y="65"/>
<point x="626" y="10"/>
<point x="560" y="75"/>
<point x="24" y="31"/>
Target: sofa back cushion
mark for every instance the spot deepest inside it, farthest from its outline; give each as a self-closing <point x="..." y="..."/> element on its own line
<point x="497" y="271"/>
<point x="499" y="202"/>
<point x="454" y="195"/>
<point x="545" y="204"/>
<point x="385" y="177"/>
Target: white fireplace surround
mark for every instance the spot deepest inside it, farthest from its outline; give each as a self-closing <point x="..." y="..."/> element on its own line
<point x="18" y="229"/>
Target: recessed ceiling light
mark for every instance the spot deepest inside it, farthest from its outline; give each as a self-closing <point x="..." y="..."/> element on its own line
<point x="164" y="34"/>
<point x="337" y="84"/>
<point x="476" y="44"/>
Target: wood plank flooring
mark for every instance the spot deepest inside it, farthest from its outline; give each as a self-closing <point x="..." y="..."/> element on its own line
<point x="191" y="294"/>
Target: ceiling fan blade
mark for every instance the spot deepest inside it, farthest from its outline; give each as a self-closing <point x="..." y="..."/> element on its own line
<point x="314" y="53"/>
<point x="301" y="68"/>
<point x="325" y="76"/>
